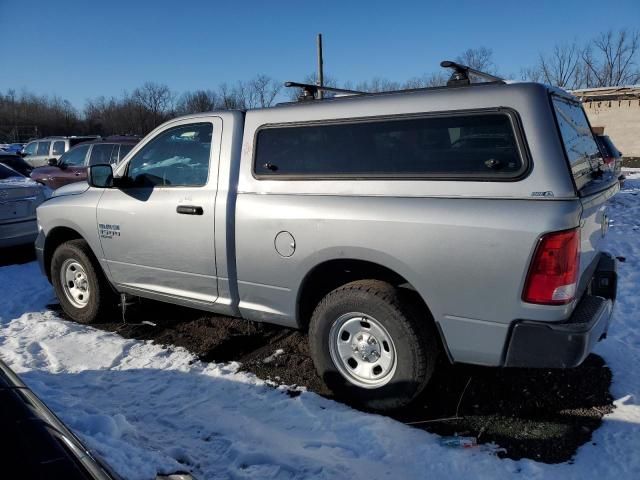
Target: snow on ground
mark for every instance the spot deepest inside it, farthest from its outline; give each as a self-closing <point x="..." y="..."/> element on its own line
<point x="145" y="408"/>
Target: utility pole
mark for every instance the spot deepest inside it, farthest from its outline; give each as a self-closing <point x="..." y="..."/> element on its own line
<point x="320" y="81"/>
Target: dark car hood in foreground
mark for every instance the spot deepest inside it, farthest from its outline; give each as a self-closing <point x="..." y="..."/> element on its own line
<point x="36" y="444"/>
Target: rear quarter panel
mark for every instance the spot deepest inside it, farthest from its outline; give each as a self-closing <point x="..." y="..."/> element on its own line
<point x="467" y="258"/>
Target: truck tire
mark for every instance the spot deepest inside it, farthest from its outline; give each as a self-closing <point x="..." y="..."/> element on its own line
<point x="80" y="285"/>
<point x="372" y="346"/>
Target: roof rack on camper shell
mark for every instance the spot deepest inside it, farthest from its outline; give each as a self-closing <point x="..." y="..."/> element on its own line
<point x="459" y="77"/>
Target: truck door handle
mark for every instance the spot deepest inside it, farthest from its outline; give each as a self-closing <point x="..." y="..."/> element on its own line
<point x="189" y="210"/>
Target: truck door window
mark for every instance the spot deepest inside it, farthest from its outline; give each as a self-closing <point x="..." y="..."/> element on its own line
<point x="114" y="154"/>
<point x="177" y="157"/>
<point x="124" y="149"/>
<point x="101" y="154"/>
<point x="43" y="148"/>
<point x="58" y="148"/>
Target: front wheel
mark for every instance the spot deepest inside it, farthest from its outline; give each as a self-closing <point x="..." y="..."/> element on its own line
<point x="372" y="345"/>
<point x="79" y="283"/>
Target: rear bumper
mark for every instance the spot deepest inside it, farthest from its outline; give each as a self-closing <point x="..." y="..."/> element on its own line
<point x="566" y="344"/>
<point x="18" y="233"/>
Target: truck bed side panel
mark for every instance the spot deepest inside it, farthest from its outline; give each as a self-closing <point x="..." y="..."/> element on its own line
<point x="467" y="258"/>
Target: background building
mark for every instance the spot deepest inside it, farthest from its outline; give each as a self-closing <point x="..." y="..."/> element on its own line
<point x="617" y="110"/>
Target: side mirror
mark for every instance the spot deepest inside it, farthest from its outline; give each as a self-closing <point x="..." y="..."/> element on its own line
<point x="53" y="162"/>
<point x="100" y="176"/>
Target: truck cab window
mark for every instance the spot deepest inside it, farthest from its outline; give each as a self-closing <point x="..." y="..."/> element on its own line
<point x="43" y="148"/>
<point x="58" y="147"/>
<point x="177" y="157"/>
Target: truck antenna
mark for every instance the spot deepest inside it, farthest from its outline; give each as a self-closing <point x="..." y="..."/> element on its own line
<point x="320" y="67"/>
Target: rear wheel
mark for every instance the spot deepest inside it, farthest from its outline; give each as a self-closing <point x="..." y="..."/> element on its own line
<point x="371" y="344"/>
<point x="83" y="291"/>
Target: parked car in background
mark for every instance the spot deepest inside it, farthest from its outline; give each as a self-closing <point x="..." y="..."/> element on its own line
<point x="16" y="162"/>
<point x="610" y="154"/>
<point x="72" y="166"/>
<point x="19" y="197"/>
<point x="13" y="147"/>
<point x="38" y="152"/>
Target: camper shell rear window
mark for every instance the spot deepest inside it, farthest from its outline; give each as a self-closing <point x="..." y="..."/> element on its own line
<point x="468" y="145"/>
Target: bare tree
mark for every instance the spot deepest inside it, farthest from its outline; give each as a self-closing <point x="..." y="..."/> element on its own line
<point x="532" y="74"/>
<point x="113" y="116"/>
<point x="232" y="98"/>
<point x="262" y="91"/>
<point x="155" y="97"/>
<point x="378" y="84"/>
<point x="155" y="102"/>
<point x="42" y="115"/>
<point x="196" y="102"/>
<point x="610" y="59"/>
<point x="479" y="58"/>
<point x="562" y="67"/>
<point x="435" y="79"/>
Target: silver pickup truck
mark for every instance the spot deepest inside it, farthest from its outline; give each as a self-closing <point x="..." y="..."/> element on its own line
<point x="464" y="221"/>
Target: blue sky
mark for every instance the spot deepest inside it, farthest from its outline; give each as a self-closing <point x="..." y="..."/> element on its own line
<point x="82" y="49"/>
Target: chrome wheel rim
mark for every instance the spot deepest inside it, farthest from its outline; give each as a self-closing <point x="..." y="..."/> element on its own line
<point x="362" y="350"/>
<point x="75" y="283"/>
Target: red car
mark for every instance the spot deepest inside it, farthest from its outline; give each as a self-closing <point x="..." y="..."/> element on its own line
<point x="72" y="165"/>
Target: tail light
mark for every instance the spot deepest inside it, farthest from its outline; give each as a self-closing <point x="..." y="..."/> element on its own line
<point x="553" y="274"/>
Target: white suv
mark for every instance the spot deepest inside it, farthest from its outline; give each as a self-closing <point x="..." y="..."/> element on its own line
<point x="38" y="152"/>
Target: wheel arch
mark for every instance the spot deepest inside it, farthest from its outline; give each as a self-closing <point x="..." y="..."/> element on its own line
<point x="331" y="274"/>
<point x="56" y="237"/>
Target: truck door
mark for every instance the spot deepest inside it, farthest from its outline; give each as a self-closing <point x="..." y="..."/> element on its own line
<point x="157" y="227"/>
